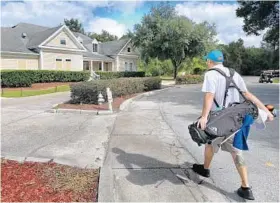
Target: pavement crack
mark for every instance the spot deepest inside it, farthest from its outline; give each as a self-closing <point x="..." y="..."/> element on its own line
<point x="22" y="119"/>
<point x="75" y="131"/>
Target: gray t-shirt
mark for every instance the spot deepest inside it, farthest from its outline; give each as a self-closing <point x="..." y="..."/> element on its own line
<point x="215" y="83"/>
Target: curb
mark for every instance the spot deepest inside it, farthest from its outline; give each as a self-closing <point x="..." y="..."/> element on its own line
<point x="126" y="103"/>
<point x="79" y="111"/>
<point x="26" y="159"/>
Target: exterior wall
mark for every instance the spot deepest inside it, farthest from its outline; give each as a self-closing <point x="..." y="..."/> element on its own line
<point x="132" y="50"/>
<point x="108" y="66"/>
<point x="56" y="41"/>
<point x="50" y="62"/>
<point x="19" y="62"/>
<point x="129" y="60"/>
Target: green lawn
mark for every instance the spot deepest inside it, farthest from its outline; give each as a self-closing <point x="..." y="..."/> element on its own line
<point x="27" y="93"/>
<point x="276" y="80"/>
<point x="167" y="77"/>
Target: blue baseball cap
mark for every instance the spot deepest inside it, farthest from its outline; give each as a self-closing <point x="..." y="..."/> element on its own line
<point x="215" y="55"/>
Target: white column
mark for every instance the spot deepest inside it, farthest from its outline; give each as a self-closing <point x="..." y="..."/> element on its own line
<point x="113" y="66"/>
<point x="41" y="63"/>
<point x="117" y="64"/>
<point x="102" y="66"/>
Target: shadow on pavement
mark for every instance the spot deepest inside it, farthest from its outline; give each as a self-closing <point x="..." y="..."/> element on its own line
<point x="196" y="178"/>
<point x="148" y="176"/>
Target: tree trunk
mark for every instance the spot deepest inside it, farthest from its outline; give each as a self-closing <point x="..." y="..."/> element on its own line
<point x="175" y="69"/>
<point x="175" y="72"/>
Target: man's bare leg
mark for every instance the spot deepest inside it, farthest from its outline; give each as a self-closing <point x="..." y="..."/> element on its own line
<point x="208" y="155"/>
<point x="241" y="168"/>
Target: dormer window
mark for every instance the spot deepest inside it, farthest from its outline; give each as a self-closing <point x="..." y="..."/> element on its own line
<point x="63" y="41"/>
<point x="128" y="49"/>
<point x="94" y="47"/>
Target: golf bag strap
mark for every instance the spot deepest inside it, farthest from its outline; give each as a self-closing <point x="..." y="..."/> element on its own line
<point x="229" y="80"/>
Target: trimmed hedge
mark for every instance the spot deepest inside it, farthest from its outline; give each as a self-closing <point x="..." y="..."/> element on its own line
<point x="189" y="79"/>
<point x="25" y="78"/>
<point x="124" y="74"/>
<point x="87" y="92"/>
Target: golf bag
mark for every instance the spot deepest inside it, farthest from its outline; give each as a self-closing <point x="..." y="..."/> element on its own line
<point x="224" y="122"/>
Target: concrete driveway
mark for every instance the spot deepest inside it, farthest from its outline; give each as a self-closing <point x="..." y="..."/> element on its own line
<point x="181" y="105"/>
<point x="73" y="139"/>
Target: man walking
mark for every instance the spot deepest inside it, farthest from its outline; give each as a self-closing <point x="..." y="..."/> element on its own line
<point x="214" y="88"/>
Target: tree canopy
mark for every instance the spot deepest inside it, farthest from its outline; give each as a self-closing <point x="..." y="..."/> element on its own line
<point x="261" y="15"/>
<point x="105" y="36"/>
<point x="74" y="25"/>
<point x="164" y="35"/>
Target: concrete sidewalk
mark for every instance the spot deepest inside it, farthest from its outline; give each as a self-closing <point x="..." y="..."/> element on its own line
<point x="143" y="161"/>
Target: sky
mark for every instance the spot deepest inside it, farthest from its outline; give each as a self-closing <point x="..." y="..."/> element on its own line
<point x="118" y="16"/>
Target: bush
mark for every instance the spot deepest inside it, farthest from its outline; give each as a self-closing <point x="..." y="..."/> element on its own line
<point x="25" y="78"/>
<point x="124" y="74"/>
<point x="87" y="92"/>
<point x="189" y="79"/>
<point x="152" y="83"/>
<point x="198" y="71"/>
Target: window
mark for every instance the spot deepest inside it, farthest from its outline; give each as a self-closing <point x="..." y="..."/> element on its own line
<point x="63" y="41"/>
<point x="58" y="59"/>
<point x="130" y="66"/>
<point x="94" y="47"/>
<point x="68" y="60"/>
<point x="128" y="49"/>
<point x="126" y="66"/>
<point x="100" y="66"/>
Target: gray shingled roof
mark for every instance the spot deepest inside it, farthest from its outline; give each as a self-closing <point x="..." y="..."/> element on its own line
<point x="113" y="47"/>
<point x="106" y="49"/>
<point x="39" y="37"/>
<point x="11" y="40"/>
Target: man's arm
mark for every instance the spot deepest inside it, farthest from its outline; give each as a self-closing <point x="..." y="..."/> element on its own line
<point x="207" y="105"/>
<point x="208" y="101"/>
<point x="255" y="100"/>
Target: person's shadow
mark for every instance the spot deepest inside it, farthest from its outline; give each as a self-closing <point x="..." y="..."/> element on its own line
<point x="147" y="173"/>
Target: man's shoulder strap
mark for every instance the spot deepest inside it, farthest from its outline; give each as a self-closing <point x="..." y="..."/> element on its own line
<point x="231" y="72"/>
<point x="229" y="80"/>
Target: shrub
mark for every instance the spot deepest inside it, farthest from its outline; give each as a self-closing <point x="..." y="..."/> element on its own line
<point x="198" y="71"/>
<point x="189" y="79"/>
<point x="25" y="78"/>
<point x="124" y="74"/>
<point x="152" y="83"/>
<point x="87" y="92"/>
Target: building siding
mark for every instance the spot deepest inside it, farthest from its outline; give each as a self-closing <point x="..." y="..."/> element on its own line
<point x="56" y="41"/>
<point x="122" y="61"/>
<point x="132" y="50"/>
<point x="19" y="63"/>
<point x="50" y="61"/>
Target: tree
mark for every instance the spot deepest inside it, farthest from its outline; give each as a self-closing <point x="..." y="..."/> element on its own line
<point x="261" y="15"/>
<point x="74" y="25"/>
<point x="129" y="34"/>
<point x="248" y="61"/>
<point x="233" y="53"/>
<point x="105" y="36"/>
<point x="164" y="35"/>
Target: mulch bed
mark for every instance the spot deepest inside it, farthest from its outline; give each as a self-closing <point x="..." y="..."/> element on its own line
<point x="47" y="182"/>
<point x="39" y="86"/>
<point x="116" y="104"/>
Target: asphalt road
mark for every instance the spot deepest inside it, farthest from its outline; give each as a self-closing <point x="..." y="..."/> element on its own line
<point x="182" y="105"/>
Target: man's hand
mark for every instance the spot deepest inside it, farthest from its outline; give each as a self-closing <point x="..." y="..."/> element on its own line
<point x="202" y="123"/>
<point x="270" y="116"/>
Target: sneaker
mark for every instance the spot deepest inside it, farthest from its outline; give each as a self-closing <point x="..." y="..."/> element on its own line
<point x="199" y="169"/>
<point x="246" y="193"/>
